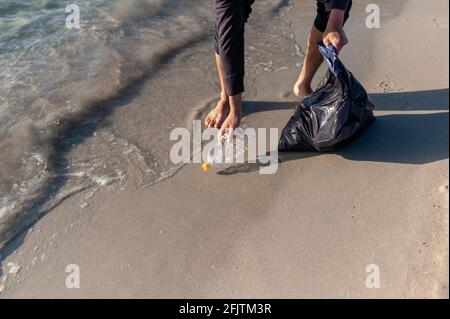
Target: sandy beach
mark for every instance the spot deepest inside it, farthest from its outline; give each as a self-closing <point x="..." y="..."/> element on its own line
<point x="308" y="231"/>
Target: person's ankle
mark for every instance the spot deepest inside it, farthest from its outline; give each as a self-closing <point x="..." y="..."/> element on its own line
<point x="236" y="109"/>
<point x="306" y="85"/>
<point x="224" y="97"/>
<point x="236" y="104"/>
<point x="302" y="88"/>
<point x="237" y="112"/>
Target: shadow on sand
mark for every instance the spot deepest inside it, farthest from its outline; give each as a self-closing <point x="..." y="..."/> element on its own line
<point x="395" y="138"/>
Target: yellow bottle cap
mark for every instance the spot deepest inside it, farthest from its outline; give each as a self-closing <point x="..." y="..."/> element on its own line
<point x="206" y="167"/>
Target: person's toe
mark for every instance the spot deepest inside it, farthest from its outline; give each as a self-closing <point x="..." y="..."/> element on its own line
<point x="218" y="120"/>
<point x="210" y="120"/>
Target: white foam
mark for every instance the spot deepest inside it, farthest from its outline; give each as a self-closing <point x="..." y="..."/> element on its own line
<point x="14" y="268"/>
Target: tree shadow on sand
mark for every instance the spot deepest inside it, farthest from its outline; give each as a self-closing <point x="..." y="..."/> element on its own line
<point x="393" y="138"/>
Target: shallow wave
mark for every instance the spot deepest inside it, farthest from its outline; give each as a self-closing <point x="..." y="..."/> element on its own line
<point x="10" y="7"/>
<point x="55" y="81"/>
<point x="57" y="87"/>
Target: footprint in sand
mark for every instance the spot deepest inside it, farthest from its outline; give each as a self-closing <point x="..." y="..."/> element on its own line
<point x="443" y="189"/>
<point x="440" y="22"/>
<point x="386" y="86"/>
<point x="393" y="46"/>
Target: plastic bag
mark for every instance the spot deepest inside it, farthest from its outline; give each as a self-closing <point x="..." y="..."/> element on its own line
<point x="336" y="112"/>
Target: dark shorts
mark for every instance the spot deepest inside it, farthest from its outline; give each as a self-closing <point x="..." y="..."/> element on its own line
<point x="231" y="17"/>
<point x="244" y="10"/>
<point x="320" y="22"/>
<point x="323" y="14"/>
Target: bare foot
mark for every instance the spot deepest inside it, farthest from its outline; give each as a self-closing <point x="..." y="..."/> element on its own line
<point x="232" y="122"/>
<point x="302" y="90"/>
<point x="216" y="117"/>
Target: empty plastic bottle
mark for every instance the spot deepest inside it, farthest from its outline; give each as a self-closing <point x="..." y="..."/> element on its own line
<point x="227" y="151"/>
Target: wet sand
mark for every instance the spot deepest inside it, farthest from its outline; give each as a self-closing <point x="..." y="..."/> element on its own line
<point x="311" y="229"/>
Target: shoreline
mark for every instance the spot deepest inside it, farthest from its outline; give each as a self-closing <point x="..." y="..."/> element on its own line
<point x="308" y="231"/>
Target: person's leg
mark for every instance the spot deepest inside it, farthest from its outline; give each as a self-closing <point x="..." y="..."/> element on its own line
<point x="217" y="115"/>
<point x="313" y="60"/>
<point x="234" y="117"/>
<point x="231" y="16"/>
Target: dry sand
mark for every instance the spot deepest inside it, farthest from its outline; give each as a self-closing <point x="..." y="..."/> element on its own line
<point x="308" y="231"/>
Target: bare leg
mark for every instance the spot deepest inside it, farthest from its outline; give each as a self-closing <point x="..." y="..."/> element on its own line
<point x="216" y="117"/>
<point x="312" y="62"/>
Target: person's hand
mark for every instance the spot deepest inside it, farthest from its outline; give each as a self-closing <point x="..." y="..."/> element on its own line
<point x="335" y="36"/>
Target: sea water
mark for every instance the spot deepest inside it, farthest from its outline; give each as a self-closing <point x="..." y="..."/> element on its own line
<point x="93" y="107"/>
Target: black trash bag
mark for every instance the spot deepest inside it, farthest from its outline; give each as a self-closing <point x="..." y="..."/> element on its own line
<point x="337" y="112"/>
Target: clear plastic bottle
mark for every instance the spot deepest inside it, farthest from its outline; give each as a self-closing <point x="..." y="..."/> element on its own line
<point x="229" y="150"/>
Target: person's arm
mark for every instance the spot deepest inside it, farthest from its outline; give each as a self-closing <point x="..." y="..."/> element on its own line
<point x="334" y="34"/>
